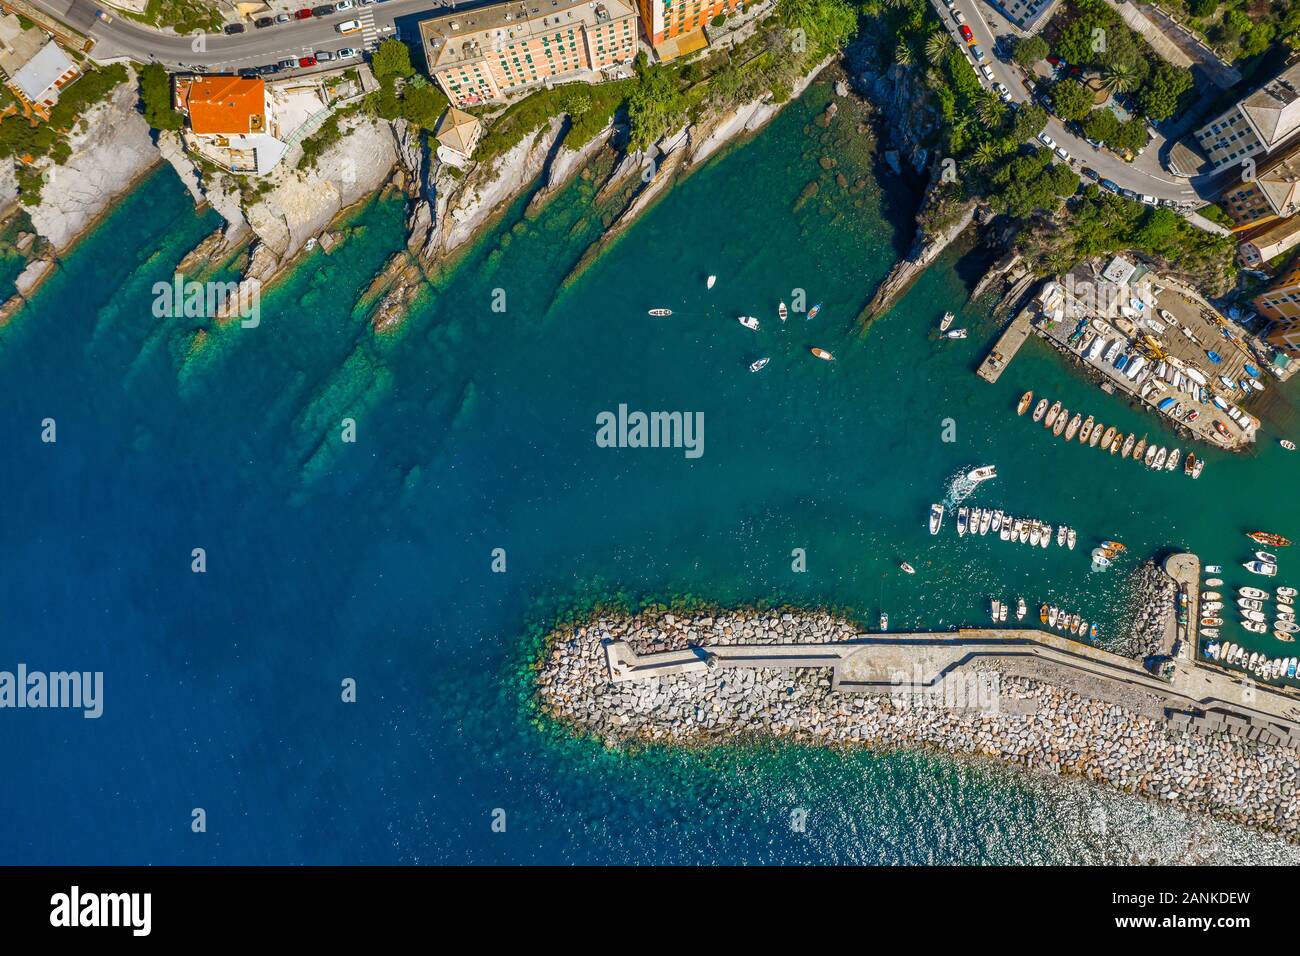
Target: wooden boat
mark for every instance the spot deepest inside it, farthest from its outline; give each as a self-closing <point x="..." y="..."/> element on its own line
<point x="822" y="354"/>
<point x="1108" y="437"/>
<point x="1073" y="427"/>
<point x="1287" y="444"/>
<point x="1052" y="413"/>
<point x="1211" y="622"/>
<point x="782" y="311"/>
<point x="1128" y="446"/>
<point x="1211" y="595"/>
<point x="1040" y="409"/>
<point x="748" y="321"/>
<point x="1025" y="399"/>
<point x="1189" y="463"/>
<point x="908" y="568"/>
<point x="1140" y="448"/>
<point x="1114" y="446"/>
<point x="1061" y="421"/>
<point x="1114" y="547"/>
<point x="661" y="311"/>
<point x="1086" y="431"/>
<point x="1097" y="429"/>
<point x="1268" y="538"/>
<point x="812" y="313"/>
<point x="1042" y="613"/>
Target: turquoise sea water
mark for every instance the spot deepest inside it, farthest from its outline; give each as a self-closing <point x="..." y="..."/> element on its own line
<point x="475" y="431"/>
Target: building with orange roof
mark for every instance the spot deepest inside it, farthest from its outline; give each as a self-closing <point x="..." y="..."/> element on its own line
<point x="229" y="120"/>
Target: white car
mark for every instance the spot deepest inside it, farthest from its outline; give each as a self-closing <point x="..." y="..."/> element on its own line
<point x="1060" y="151"/>
<point x="1149" y="200"/>
<point x="347" y="53"/>
<point x="349" y="26"/>
<point x="1003" y="93"/>
<point x="988" y="73"/>
<point x="1047" y="140"/>
<point x="343" y="5"/>
<point x="958" y="16"/>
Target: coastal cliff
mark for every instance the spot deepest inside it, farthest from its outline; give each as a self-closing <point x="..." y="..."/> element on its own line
<point x="1041" y="725"/>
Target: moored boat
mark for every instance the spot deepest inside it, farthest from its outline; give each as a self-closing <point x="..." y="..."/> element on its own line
<point x="1257" y="593"/>
<point x="1160" y="458"/>
<point x="986" y="519"/>
<point x="748" y="321"/>
<point x="1052" y="413"/>
<point x="1060" y="536"/>
<point x="1020" y="609"/>
<point x="1108" y="437"/>
<point x="1043" y="613"/>
<point x="1266" y="557"/>
<point x="1034" y="535"/>
<point x="946" y="321"/>
<point x="884" y="621"/>
<point x="1128" y="445"/>
<point x="1040" y="410"/>
<point x="1097" y="430"/>
<point x="1072" y="428"/>
<point x="1211" y="621"/>
<point x="956" y="334"/>
<point x="1071" y="538"/>
<point x="1189" y="463"/>
<point x="1268" y="538"/>
<point x="1025" y="399"/>
<point x="1086" y="431"/>
<point x="760" y="364"/>
<point x="1261" y="568"/>
<point x="936" y="518"/>
<point x="1061" y="421"/>
<point x="1140" y="448"/>
<point x="1114" y="445"/>
<point x="963" y="516"/>
<point x="1172" y="463"/>
<point x="822" y="354"/>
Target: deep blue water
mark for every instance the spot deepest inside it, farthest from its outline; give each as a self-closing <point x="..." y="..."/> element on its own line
<point x="475" y="431"/>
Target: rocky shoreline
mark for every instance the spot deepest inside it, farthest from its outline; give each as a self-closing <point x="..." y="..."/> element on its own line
<point x="1040" y="727"/>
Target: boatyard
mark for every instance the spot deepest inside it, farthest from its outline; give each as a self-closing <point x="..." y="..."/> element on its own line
<point x="1149" y="340"/>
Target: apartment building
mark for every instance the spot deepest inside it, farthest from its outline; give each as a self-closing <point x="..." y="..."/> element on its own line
<point x="1256" y="125"/>
<point x="676" y="27"/>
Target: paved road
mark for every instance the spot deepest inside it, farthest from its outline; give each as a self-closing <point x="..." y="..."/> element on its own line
<point x="126" y="38"/>
<point x="1144" y="175"/>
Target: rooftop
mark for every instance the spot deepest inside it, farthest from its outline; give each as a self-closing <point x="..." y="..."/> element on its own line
<point x="461" y="37"/>
<point x="1274" y="108"/>
<point x="229" y="105"/>
<point x="38" y="74"/>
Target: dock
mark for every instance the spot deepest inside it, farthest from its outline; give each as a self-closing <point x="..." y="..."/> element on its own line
<point x="1006" y="347"/>
<point x="1185" y="569"/>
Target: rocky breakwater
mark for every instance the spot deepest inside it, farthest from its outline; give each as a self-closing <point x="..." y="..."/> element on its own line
<point x="1035" y="725"/>
<point x="1152" y="595"/>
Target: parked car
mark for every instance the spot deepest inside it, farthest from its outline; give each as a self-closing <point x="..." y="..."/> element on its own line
<point x="262" y="22"/>
<point x="1060" y="151"/>
<point x="324" y="10"/>
<point x="364" y="3"/>
<point x="102" y="16"/>
<point x="283" y="17"/>
<point x="979" y="54"/>
<point x="1128" y="193"/>
<point x="958" y="16"/>
<point x="967" y="35"/>
<point x="1047" y="140"/>
<point x="268" y="69"/>
<point x="1003" y="93"/>
<point x="1090" y="173"/>
<point x="288" y="64"/>
<point x="232" y="28"/>
<point x="343" y="5"/>
<point x="303" y="14"/>
<point x="1108" y="184"/>
<point x="324" y="55"/>
<point x="249" y="73"/>
<point x="306" y="61"/>
<point x="347" y="53"/>
<point x="1150" y="200"/>
<point x="988" y="73"/>
<point x="349" y="26"/>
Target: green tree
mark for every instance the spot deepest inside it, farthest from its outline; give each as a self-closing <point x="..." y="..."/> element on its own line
<point x="1071" y="100"/>
<point x="1120" y="77"/>
<point x="1101" y="125"/>
<point x="392" y="59"/>
<point x="1204" y="8"/>
<point x="937" y="46"/>
<point x="653" y="106"/>
<point x="156" y="98"/>
<point x="990" y="109"/>
<point x="422" y="105"/>
<point x="1029" y="50"/>
<point x="1028" y="123"/>
<point x="1164" y="87"/>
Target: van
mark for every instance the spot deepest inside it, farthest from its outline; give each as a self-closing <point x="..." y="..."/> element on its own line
<point x="349" y="26"/>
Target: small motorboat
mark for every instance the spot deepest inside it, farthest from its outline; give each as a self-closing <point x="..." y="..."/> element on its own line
<point x="1040" y="409"/>
<point x="963" y="516"/>
<point x="1092" y="631"/>
<point x="884" y="621"/>
<point x="1151" y="455"/>
<point x="1113" y="547"/>
<point x="1256" y="593"/>
<point x="1286" y="592"/>
<point x="946" y="321"/>
<point x="1052" y="615"/>
<point x="1071" y="538"/>
<point x="1254" y="627"/>
<point x="1211" y="622"/>
<point x="1052" y="412"/>
<point x="986" y="519"/>
<point x="1160" y="458"/>
<point x="748" y="321"/>
<point x="1172" y="463"/>
<point x="660" y="312"/>
<point x="995" y="609"/>
<point x="760" y="364"/>
<point x="1212" y="595"/>
<point x="1288" y="444"/>
<point x="1255" y="616"/>
<point x="1072" y="429"/>
<point x="709" y="283"/>
<point x="1127" y="448"/>
<point x="1086" y="431"/>
<point x="1003" y="608"/>
<point x="1025" y="399"/>
<point x="983" y="473"/>
<point x="1189" y="463"/>
<point x="1097" y="430"/>
<point x="1034" y="535"/>
<point x="1214" y="569"/>
<point x="1108" y="438"/>
<point x="1211" y="606"/>
<point x="1046" y="537"/>
<point x="1140" y="448"/>
<point x="936" y="518"/>
<point x="1020" y="609"/>
<point x="1268" y="538"/>
<point x="1261" y="567"/>
<point x="782" y="311"/>
<point x="823" y="355"/>
<point x="996" y="527"/>
<point x="957" y="334"/>
<point x="1060" y="536"/>
<point x="812" y="313"/>
<point x="1287" y="627"/>
<point x="1266" y="557"/>
<point x="1250" y="604"/>
<point x="908" y="568"/>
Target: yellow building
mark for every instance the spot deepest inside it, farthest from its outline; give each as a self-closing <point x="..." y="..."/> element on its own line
<point x="1281" y="303"/>
<point x="675" y="27"/>
<point x="1273" y="193"/>
<point x="491" y="53"/>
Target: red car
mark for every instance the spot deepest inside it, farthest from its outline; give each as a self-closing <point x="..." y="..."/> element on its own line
<point x="303" y="14"/>
<point x="966" y="34"/>
<point x="307" y="61"/>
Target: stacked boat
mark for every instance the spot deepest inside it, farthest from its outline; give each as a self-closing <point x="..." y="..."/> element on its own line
<point x="1059" y="420"/>
<point x="1255" y="662"/>
<point x="1066" y="622"/>
<point x="1031" y="531"/>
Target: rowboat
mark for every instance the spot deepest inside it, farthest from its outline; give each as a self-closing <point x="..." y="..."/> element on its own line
<point x="1288" y="444"/>
<point x="1040" y="409"/>
<point x="1113" y="546"/>
<point x="1268" y="538"/>
<point x="1211" y="595"/>
<point x="1189" y="464"/>
<point x="1086" y="431"/>
<point x="782" y="311"/>
<point x="1052" y="414"/>
<point x="1042" y="613"/>
<point x="1108" y="437"/>
<point x="1128" y="445"/>
<point x="822" y="354"/>
<point x="1140" y="448"/>
<point x="748" y="321"/>
<point x="1211" y="622"/>
<point x="812" y="313"/>
<point x="1061" y="421"/>
<point x="908" y="568"/>
<point x="1114" y="445"/>
<point x="1025" y="399"/>
<point x="1073" y="427"/>
<point x="661" y="311"/>
<point x="760" y="364"/>
<point x="1097" y="429"/>
<point x="1172" y="463"/>
<point x="709" y="283"/>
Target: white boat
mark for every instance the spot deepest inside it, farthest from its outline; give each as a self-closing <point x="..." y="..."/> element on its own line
<point x="748" y="321"/>
<point x="986" y="519"/>
<point x="1253" y="627"/>
<point x="1286" y="592"/>
<point x="1211" y="595"/>
<point x="1261" y="567"/>
<point x="660" y="312"/>
<point x="1024" y="532"/>
<point x="1071" y="538"/>
<point x="1002" y="610"/>
<point x="936" y="518"/>
<point x="1046" y="537"/>
<point x="957" y="334"/>
<point x="1172" y="463"/>
<point x="884" y="621"/>
<point x="995" y="607"/>
<point x="1288" y="444"/>
<point x="946" y="321"/>
<point x="1266" y="557"/>
<point x="760" y="364"/>
<point x="983" y="473"/>
<point x="1052" y="615"/>
<point x="996" y="527"/>
<point x="1249" y="604"/>
<point x="1020" y="609"/>
<point x="1254" y="616"/>
<point x="908" y="568"/>
<point x="1287" y="627"/>
<point x="712" y="279"/>
<point x="1254" y="593"/>
<point x="782" y="311"/>
<point x="1034" y="535"/>
<point x="963" y="515"/>
<point x="1060" y="536"/>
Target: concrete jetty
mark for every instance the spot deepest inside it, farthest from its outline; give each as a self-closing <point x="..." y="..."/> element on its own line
<point x="1006" y="347"/>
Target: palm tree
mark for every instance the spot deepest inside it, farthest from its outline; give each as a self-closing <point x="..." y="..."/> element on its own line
<point x="984" y="155"/>
<point x="903" y="53"/>
<point x="989" y="108"/>
<point x="1120" y="77"/>
<point x="937" y="46"/>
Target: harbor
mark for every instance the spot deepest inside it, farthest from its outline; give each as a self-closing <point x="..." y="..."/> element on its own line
<point x="1148" y="339"/>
